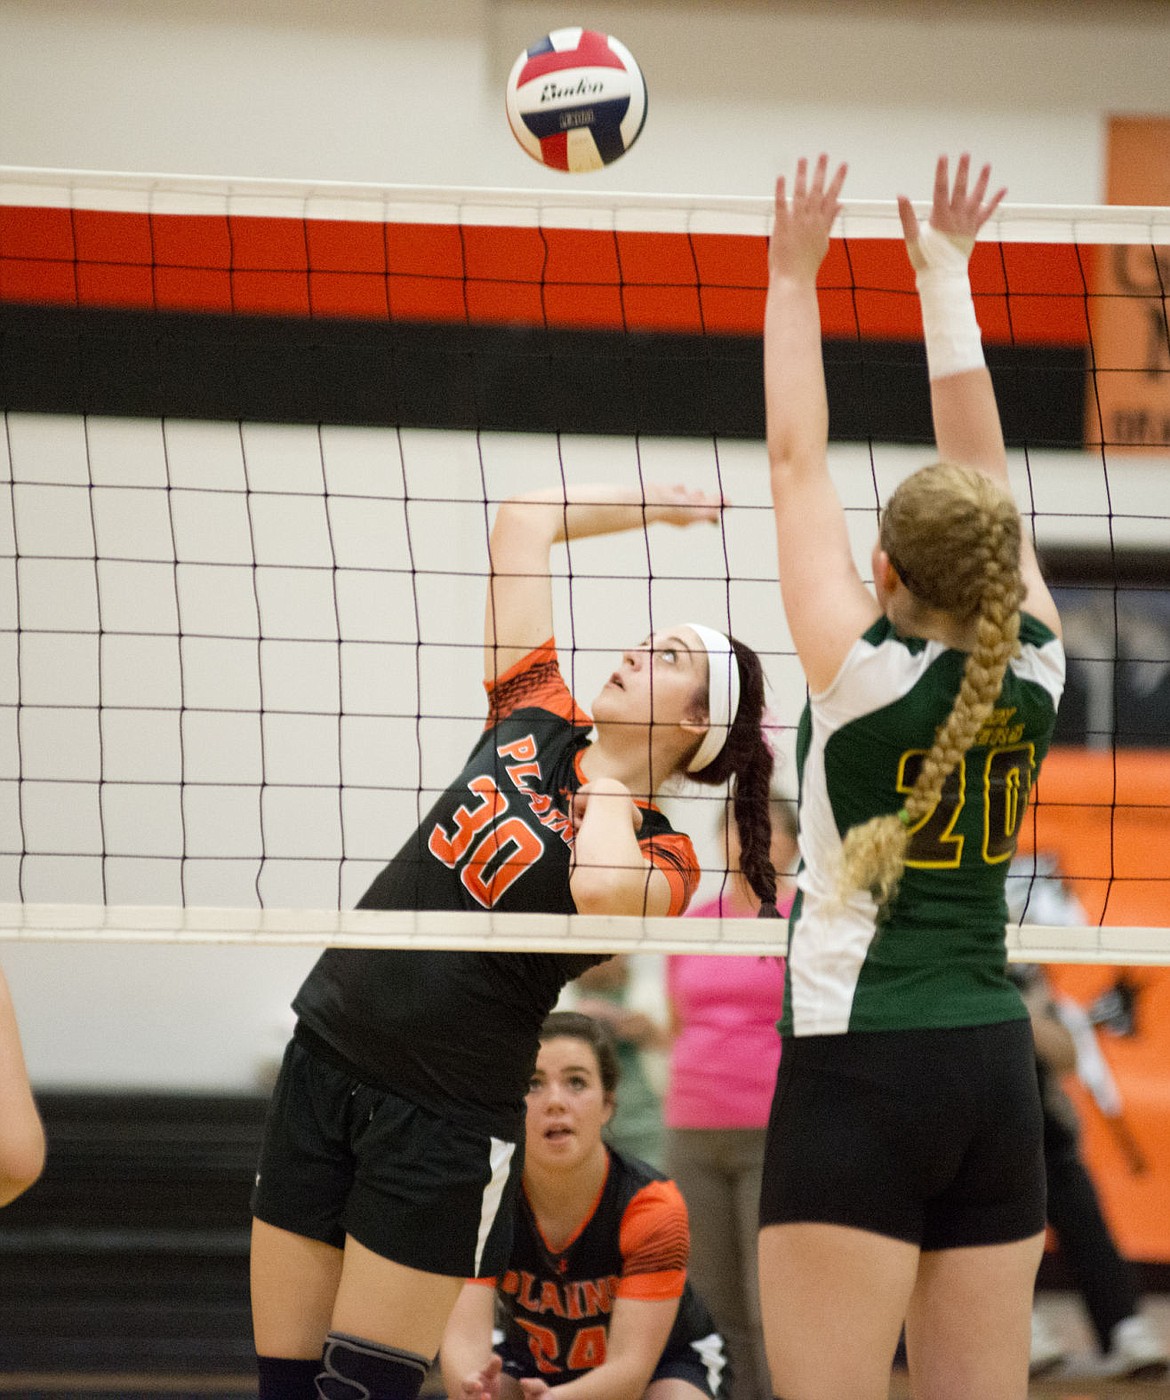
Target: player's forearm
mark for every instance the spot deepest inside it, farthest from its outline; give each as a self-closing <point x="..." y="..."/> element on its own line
<point x="617" y="1378"/>
<point x="461" y="1356"/>
<point x="577" y="512"/>
<point x="610" y="874"/>
<point x="794" y="378"/>
<point x="967" y="427"/>
<point x="966" y="417"/>
<point x="611" y="877"/>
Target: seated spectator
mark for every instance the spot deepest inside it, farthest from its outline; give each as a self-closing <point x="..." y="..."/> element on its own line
<point x="1106" y="1281"/>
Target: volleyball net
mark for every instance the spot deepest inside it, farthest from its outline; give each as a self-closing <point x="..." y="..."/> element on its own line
<point x="254" y="435"/>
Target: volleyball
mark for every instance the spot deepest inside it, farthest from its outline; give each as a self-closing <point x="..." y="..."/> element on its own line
<point x="576" y="100"/>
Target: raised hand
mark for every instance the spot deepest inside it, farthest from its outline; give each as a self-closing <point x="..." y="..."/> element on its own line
<point x="674" y="504"/>
<point x="956" y="211"/>
<point x="800" y="228"/>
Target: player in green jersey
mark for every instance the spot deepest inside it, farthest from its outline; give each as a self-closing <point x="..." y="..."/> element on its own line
<point x="904" y="1177"/>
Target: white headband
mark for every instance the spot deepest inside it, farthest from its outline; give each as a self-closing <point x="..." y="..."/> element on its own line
<point x="722" y="694"/>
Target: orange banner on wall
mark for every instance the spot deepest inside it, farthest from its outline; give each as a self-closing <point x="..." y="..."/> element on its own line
<point x="1128" y="402"/>
<point x="1103" y="815"/>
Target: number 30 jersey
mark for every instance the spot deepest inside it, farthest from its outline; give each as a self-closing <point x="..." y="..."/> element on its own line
<point x="458" y="1031"/>
<point x="937" y="956"/>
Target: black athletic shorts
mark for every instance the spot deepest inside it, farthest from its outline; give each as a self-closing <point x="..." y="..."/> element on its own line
<point x="703" y="1364"/>
<point x="929" y="1136"/>
<point x="341" y="1158"/>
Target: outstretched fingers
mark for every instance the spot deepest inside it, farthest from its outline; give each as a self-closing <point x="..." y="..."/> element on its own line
<point x="817" y="195"/>
<point x="800" y="184"/>
<point x="833" y="193"/>
<point x="910" y="228"/>
<point x="961" y="208"/>
<point x="942" y="185"/>
<point x="987" y="207"/>
<point x="800" y="230"/>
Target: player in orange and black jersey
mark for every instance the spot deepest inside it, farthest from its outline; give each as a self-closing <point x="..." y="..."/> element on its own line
<point x="394" y="1143"/>
<point x="500" y="837"/>
<point x="595" y="1296"/>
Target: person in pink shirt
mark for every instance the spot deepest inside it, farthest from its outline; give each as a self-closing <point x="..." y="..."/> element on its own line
<point x="723" y="1064"/>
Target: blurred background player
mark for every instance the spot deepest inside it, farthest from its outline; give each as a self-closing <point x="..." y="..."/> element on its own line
<point x="1106" y="1282"/>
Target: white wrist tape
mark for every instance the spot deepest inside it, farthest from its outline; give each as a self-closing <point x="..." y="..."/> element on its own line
<point x="954" y="342"/>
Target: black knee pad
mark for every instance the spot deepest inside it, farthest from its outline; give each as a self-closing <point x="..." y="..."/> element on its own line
<point x="355" y="1369"/>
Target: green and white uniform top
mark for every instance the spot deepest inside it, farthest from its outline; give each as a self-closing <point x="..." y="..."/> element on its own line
<point x="937" y="957"/>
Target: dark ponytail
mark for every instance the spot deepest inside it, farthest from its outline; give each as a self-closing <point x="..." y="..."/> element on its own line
<point x="746" y="762"/>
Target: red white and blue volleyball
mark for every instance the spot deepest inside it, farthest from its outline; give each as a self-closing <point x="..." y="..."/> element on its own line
<point x="576" y="100"/>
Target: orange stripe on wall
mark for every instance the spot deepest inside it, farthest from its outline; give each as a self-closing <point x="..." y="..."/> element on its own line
<point x="562" y="278"/>
<point x="1105" y="817"/>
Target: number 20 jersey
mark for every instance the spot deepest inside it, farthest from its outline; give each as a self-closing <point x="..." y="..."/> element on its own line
<point x="937" y="957"/>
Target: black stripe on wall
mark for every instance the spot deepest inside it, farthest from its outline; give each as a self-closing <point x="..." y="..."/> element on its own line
<point x="273" y="369"/>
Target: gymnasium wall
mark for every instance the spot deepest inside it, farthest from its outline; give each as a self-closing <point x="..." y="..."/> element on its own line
<point x="411" y="91"/>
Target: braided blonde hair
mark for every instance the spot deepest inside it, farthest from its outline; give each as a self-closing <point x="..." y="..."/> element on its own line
<point x="953" y="535"/>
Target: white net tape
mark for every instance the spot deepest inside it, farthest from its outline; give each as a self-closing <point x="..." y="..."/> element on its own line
<point x="554" y="208"/>
<point x="361" y="928"/>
